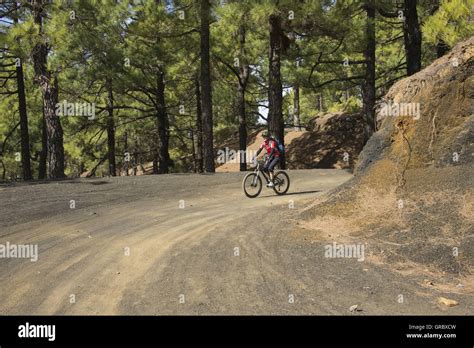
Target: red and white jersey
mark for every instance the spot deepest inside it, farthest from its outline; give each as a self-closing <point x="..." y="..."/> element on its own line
<point x="269" y="145"/>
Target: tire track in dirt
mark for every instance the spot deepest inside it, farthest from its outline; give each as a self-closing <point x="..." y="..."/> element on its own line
<point x="82" y="250"/>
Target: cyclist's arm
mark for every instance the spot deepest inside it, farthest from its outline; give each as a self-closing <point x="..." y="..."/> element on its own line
<point x="254" y="158"/>
<point x="258" y="152"/>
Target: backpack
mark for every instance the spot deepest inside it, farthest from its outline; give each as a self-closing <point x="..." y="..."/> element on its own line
<point x="280" y="146"/>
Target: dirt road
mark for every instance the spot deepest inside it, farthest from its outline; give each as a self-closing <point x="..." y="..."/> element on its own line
<point x="185" y="244"/>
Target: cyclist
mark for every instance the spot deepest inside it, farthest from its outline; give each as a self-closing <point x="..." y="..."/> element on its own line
<point x="272" y="155"/>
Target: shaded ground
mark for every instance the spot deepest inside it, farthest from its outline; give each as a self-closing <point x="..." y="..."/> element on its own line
<point x="255" y="139"/>
<point x="185" y="261"/>
<point x="334" y="141"/>
<point x="426" y="229"/>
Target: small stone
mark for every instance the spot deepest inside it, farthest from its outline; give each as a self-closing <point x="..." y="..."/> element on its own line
<point x="447" y="302"/>
<point x="354" y="308"/>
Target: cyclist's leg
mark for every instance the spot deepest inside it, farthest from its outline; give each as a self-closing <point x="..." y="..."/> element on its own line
<point x="266" y="165"/>
<point x="272" y="165"/>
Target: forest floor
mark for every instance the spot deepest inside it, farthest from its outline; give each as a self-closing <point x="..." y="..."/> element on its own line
<point x="190" y="244"/>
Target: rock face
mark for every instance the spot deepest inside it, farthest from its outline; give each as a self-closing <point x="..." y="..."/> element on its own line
<point x="412" y="198"/>
<point x="255" y="139"/>
<point x="428" y="118"/>
<point x="334" y="140"/>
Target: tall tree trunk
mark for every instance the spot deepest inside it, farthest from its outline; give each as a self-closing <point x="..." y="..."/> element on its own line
<point x="242" y="86"/>
<point x="192" y="136"/>
<point x="412" y="36"/>
<point x="441" y="47"/>
<point x="136" y="159"/>
<point x="25" y="140"/>
<point x="4" y="170"/>
<point x="369" y="83"/>
<point x="206" y="92"/>
<point x="296" y="107"/>
<point x="126" y="154"/>
<point x="49" y="88"/>
<point x="275" y="89"/>
<point x="199" y="155"/>
<point x="320" y="102"/>
<point x="110" y="128"/>
<point x="43" y="155"/>
<point x="162" y="123"/>
<point x="24" y="134"/>
<point x="242" y="129"/>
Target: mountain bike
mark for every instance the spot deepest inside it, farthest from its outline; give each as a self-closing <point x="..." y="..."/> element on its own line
<point x="252" y="183"/>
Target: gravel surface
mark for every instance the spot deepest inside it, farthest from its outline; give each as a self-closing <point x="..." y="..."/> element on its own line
<point x="128" y="248"/>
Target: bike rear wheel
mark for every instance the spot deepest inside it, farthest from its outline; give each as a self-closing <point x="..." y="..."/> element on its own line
<point x="281" y="182"/>
<point x="252" y="185"/>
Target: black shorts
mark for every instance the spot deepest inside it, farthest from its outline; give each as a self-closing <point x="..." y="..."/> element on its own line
<point x="271" y="163"/>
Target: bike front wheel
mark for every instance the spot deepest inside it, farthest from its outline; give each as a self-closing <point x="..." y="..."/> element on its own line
<point x="281" y="182"/>
<point x="252" y="185"/>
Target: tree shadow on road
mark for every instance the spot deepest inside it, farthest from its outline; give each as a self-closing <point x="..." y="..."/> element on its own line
<point x="293" y="193"/>
<point x="95" y="181"/>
